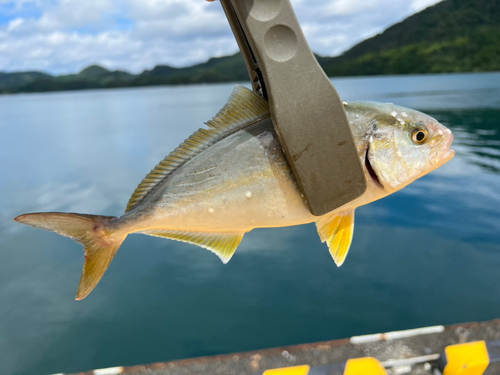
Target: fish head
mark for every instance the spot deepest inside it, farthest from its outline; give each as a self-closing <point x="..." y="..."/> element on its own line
<point x="398" y="145"/>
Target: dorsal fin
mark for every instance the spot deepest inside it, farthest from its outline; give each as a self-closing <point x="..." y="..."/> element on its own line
<point x="222" y="244"/>
<point x="336" y="230"/>
<point x="243" y="108"/>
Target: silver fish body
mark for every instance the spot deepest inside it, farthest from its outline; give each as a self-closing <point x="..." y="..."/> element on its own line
<point x="224" y="181"/>
<point x="240" y="183"/>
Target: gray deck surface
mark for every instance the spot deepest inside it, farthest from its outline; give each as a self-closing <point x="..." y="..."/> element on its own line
<point x="326" y="353"/>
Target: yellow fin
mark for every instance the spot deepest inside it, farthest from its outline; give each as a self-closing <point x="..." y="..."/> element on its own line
<point x="222" y="244"/>
<point x="336" y="230"/>
<point x="243" y="108"/>
<point x="93" y="232"/>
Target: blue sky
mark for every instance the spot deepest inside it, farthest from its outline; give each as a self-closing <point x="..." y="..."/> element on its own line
<point x="9" y="11"/>
<point x="65" y="36"/>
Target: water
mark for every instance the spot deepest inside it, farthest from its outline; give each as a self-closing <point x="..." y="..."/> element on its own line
<point x="427" y="255"/>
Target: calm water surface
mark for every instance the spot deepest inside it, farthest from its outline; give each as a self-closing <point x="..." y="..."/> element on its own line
<point x="427" y="255"/>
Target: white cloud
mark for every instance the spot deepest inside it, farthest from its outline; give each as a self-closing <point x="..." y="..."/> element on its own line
<point x="334" y="26"/>
<point x="71" y="14"/>
<point x="418" y="5"/>
<point x="15" y="24"/>
<point x="64" y="36"/>
<point x="349" y="7"/>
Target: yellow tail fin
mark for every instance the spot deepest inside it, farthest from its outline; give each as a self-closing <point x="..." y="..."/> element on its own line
<point x="93" y="232"/>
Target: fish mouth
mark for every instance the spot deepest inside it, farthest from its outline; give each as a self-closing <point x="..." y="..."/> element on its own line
<point x="371" y="171"/>
<point x="450" y="153"/>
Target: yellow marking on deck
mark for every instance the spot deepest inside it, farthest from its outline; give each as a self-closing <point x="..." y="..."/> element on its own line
<point x="466" y="359"/>
<point x="364" y="366"/>
<point x="297" y="370"/>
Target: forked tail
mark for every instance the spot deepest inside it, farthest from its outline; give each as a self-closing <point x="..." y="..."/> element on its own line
<point x="100" y="242"/>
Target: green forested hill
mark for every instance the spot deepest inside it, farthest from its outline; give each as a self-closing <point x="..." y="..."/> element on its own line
<point x="444" y="21"/>
<point x="476" y="52"/>
<point x="451" y="36"/>
<point x="217" y="69"/>
<point x="12" y="81"/>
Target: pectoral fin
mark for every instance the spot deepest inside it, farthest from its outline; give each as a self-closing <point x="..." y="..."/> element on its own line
<point x="222" y="244"/>
<point x="336" y="230"/>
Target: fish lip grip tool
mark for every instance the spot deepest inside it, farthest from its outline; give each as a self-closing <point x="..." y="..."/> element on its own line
<point x="307" y="112"/>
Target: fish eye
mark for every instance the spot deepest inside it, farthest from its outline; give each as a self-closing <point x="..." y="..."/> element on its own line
<point x="419" y="135"/>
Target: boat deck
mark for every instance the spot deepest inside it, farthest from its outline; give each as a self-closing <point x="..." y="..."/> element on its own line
<point x="414" y="351"/>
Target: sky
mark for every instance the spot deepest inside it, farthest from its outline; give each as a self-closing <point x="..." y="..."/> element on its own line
<point x="65" y="36"/>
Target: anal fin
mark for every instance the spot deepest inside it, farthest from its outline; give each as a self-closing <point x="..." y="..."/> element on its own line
<point x="337" y="230"/>
<point x="222" y="244"/>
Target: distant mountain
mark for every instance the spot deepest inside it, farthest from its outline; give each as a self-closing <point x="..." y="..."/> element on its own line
<point x="100" y="74"/>
<point x="217" y="69"/>
<point x="451" y="36"/>
<point x="11" y="81"/>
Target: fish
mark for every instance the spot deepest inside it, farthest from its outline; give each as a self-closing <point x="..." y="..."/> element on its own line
<point x="232" y="176"/>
